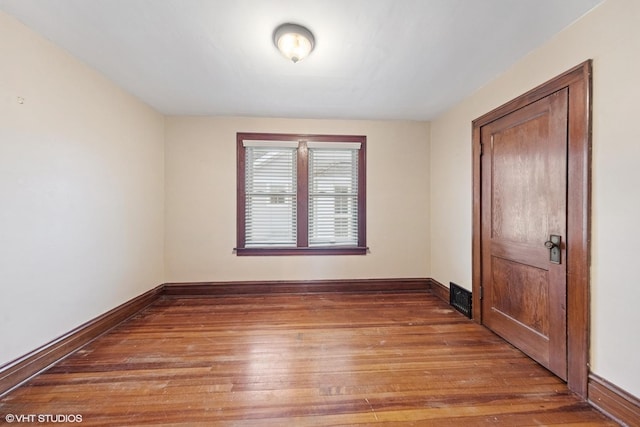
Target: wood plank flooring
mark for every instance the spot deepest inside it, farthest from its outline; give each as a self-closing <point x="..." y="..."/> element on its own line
<point x="302" y="360"/>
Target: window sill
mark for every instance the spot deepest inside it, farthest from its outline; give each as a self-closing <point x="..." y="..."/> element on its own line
<point x="342" y="250"/>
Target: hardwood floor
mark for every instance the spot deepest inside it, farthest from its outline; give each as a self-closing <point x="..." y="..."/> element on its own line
<point x="302" y="360"/>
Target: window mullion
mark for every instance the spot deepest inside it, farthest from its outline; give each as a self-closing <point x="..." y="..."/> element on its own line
<point x="303" y="195"/>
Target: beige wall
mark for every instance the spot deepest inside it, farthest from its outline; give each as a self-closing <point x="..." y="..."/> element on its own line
<point x="201" y="202"/>
<point x="81" y="193"/>
<point x="610" y="35"/>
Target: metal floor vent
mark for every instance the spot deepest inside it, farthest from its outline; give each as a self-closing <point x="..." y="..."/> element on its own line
<point x="460" y="299"/>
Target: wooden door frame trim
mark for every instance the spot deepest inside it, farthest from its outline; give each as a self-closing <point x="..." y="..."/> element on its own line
<point x="578" y="81"/>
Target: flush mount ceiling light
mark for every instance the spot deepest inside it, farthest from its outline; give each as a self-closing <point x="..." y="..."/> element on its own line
<point x="294" y="41"/>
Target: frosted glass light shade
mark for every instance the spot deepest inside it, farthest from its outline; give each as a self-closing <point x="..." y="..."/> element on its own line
<point x="293" y="41"/>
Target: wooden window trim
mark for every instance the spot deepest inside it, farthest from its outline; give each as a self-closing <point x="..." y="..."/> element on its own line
<point x="302" y="247"/>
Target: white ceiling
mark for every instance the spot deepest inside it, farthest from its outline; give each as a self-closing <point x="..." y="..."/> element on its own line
<point x="374" y="59"/>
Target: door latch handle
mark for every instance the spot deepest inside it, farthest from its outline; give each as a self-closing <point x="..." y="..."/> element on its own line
<point x="553" y="244"/>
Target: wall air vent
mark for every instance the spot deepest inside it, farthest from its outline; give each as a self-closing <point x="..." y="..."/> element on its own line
<point x="460" y="299"/>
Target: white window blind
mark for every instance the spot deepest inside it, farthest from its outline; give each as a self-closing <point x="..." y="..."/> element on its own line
<point x="333" y="194"/>
<point x="271" y="194"/>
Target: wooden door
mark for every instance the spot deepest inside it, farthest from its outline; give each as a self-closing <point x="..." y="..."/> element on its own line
<point x="524" y="202"/>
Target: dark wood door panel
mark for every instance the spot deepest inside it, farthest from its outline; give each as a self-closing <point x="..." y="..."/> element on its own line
<point x="520" y="179"/>
<point x="576" y="246"/>
<point x="528" y="304"/>
<point x="524" y="202"/>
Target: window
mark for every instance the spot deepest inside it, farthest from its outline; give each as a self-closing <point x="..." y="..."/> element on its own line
<point x="301" y="194"/>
